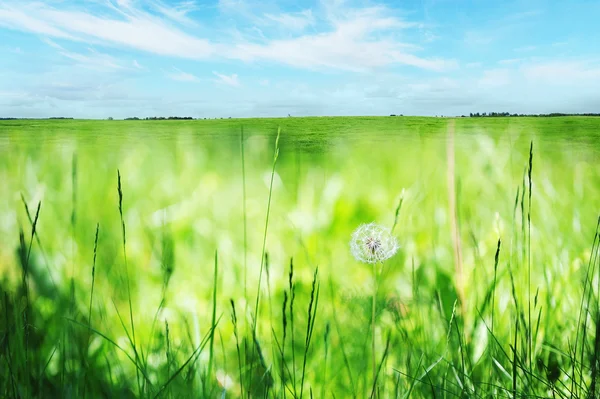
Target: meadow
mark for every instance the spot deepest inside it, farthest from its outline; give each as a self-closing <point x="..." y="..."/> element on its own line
<point x="212" y="258"/>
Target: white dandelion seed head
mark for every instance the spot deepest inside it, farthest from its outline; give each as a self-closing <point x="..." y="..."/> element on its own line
<point x="372" y="243"/>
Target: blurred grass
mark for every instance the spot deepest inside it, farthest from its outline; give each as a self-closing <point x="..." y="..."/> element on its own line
<point x="182" y="201"/>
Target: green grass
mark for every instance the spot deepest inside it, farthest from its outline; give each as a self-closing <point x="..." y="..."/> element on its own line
<point x="186" y="259"/>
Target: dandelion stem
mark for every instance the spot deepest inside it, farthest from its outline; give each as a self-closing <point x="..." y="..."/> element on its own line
<point x="373" y="355"/>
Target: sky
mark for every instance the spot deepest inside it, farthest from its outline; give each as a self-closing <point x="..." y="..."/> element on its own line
<point x="271" y="58"/>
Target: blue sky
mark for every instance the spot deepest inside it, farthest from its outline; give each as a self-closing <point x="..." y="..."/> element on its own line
<point x="242" y="58"/>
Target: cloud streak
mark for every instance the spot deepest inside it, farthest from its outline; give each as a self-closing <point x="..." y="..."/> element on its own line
<point x="229" y="80"/>
<point x="181" y="76"/>
<point x="352" y="39"/>
<point x="295" y="21"/>
<point x="138" y="30"/>
<point x="92" y="60"/>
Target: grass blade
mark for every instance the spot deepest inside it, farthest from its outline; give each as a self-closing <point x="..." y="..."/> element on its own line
<point x="214" y="315"/>
<point x="120" y="193"/>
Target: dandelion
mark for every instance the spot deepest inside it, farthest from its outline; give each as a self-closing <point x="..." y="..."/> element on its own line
<point x="373" y="243"/>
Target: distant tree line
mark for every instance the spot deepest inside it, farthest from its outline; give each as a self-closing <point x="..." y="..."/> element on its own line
<point x="16" y="119"/>
<point x="160" y="118"/>
<point x="471" y="115"/>
<point x="169" y="118"/>
<point x="508" y="114"/>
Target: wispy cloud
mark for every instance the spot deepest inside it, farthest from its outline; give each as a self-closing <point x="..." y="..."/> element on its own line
<point x="181" y="76"/>
<point x="92" y="59"/>
<point x="20" y="19"/>
<point x="353" y="39"/>
<point x="294" y="21"/>
<point x="139" y="30"/>
<point x="429" y="36"/>
<point x="510" y="61"/>
<point x="357" y="41"/>
<point x="229" y="80"/>
<point x="178" y="12"/>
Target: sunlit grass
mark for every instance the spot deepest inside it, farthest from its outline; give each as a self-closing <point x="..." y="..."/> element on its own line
<point x="184" y="232"/>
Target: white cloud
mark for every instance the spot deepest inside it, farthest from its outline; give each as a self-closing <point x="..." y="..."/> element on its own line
<point x="137" y="65"/>
<point x="13" y="18"/>
<point x="181" y="76"/>
<point x="356" y="43"/>
<point x="230" y="80"/>
<point x="139" y="30"/>
<point x="510" y="61"/>
<point x="293" y="21"/>
<point x="352" y="39"/>
<point x="429" y="36"/>
<point x="125" y="3"/>
<point x="336" y="50"/>
<point x="92" y="60"/>
<point x="178" y="12"/>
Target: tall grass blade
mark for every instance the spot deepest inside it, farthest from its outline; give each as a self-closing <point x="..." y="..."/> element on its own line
<point x="397" y="212"/>
<point x="91" y="301"/>
<point x="234" y="320"/>
<point x="8" y="356"/>
<point x="374" y="392"/>
<point x="342" y="346"/>
<point x="262" y="256"/>
<point x="26" y="311"/>
<point x="214" y="315"/>
<point x="529" y="325"/>
<point x="514" y="360"/>
<point x="583" y="314"/>
<point x="284" y="328"/>
<point x="113" y="343"/>
<point x="168" y="352"/>
<point x="192" y="357"/>
<point x="124" y="236"/>
<point x="244" y="214"/>
<point x="292" y="288"/>
<point x="312" y="315"/>
<point x="595" y="355"/>
<point x="39" y="242"/>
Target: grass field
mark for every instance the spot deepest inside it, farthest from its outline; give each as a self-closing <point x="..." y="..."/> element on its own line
<point x="196" y="259"/>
